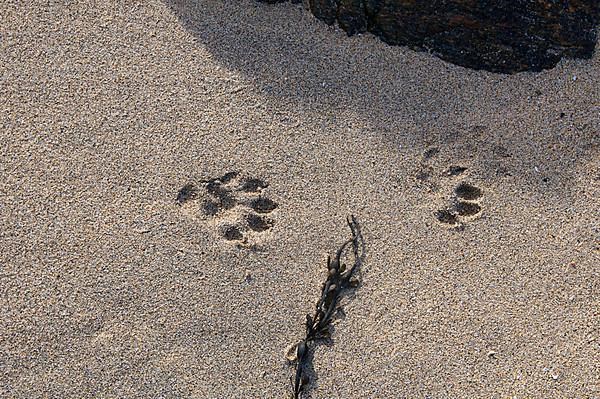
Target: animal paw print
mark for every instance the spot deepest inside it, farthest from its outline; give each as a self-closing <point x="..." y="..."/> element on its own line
<point x="235" y="205"/>
<point x="464" y="205"/>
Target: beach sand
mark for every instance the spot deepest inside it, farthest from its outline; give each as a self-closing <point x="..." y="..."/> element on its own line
<point x="111" y="288"/>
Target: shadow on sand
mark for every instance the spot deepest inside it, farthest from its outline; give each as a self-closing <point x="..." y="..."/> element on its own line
<point x="412" y="99"/>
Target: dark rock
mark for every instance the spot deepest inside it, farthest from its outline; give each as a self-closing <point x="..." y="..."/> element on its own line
<point x="325" y="10"/>
<point x="351" y="16"/>
<point x="504" y="36"/>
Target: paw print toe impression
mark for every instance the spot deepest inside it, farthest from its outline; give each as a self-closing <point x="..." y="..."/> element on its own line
<point x="468" y="192"/>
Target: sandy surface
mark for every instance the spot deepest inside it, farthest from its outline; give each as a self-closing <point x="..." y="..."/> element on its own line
<point x="110" y="289"/>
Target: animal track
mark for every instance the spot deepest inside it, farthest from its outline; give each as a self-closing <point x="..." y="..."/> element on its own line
<point x="262" y="205"/>
<point x="445" y="216"/>
<point x="258" y="223"/>
<point x="464" y="202"/>
<point x="231" y="233"/>
<point x="186" y="193"/>
<point x="463" y="205"/>
<point x="235" y="205"/>
<point x="468" y="192"/>
<point x="467" y="208"/>
<point x="426" y="175"/>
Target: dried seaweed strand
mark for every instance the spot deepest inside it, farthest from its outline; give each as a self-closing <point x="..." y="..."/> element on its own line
<point x="339" y="278"/>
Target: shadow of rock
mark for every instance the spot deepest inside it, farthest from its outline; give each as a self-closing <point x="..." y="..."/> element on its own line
<point x="408" y="98"/>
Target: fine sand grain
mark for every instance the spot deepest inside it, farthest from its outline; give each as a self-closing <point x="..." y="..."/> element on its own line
<point x="477" y="193"/>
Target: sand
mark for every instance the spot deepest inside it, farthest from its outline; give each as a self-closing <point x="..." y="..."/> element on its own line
<point x="110" y="288"/>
